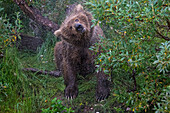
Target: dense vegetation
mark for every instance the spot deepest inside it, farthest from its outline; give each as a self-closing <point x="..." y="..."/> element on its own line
<point x="136" y="56"/>
<point x="137" y="47"/>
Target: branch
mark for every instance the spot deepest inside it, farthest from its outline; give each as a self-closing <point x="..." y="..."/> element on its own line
<point x="161" y="36"/>
<point x="35" y="14"/>
<point x="134" y="79"/>
<point x="167" y="20"/>
<point x="163" y="26"/>
<point x="52" y="73"/>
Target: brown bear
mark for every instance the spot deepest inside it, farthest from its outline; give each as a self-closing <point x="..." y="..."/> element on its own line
<point x="72" y="53"/>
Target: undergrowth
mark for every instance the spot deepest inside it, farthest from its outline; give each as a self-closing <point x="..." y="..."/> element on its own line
<point x="29" y="92"/>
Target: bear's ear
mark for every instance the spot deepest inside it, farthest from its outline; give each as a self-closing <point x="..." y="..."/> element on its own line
<point x="57" y="33"/>
<point x="79" y="8"/>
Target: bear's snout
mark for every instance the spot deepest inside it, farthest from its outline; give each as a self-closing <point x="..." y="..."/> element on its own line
<point x="79" y="27"/>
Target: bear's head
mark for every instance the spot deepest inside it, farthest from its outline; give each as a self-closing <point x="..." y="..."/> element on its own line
<point x="76" y="29"/>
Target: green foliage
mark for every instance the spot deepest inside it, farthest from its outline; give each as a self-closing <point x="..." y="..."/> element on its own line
<point x="12" y="81"/>
<point x="19" y="91"/>
<point x="134" y="46"/>
<point x="163" y="57"/>
<point x="9" y="8"/>
<point x="3" y="89"/>
<point x="23" y="91"/>
<point x="133" y="29"/>
<point x="163" y="105"/>
<point x="9" y="32"/>
<point x="57" y="107"/>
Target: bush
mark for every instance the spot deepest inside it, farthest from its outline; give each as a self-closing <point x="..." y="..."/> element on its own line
<point x="57" y="107"/>
<point x="9" y="32"/>
<point x="12" y="80"/>
<point x="137" y="44"/>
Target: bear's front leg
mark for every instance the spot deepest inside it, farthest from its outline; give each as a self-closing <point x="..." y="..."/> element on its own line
<point x="71" y="90"/>
<point x="102" y="91"/>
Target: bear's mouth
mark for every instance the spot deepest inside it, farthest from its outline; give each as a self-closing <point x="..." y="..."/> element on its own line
<point x="79" y="28"/>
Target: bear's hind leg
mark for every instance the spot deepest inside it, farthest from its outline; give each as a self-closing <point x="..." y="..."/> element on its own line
<point x="102" y="91"/>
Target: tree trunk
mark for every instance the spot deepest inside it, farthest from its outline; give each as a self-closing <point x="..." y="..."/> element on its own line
<point x="35" y="14"/>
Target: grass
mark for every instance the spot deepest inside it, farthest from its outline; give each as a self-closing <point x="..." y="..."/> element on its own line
<point x="27" y="91"/>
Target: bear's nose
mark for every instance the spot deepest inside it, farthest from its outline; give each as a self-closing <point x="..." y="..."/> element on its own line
<point x="79" y="27"/>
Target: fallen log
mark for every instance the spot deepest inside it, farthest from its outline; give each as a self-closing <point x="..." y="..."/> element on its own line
<point x="28" y="42"/>
<point x="45" y="72"/>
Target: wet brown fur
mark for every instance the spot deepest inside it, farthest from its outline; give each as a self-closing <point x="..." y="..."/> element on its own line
<point x="72" y="54"/>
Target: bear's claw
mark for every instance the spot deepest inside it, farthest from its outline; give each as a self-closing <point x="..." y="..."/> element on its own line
<point x="71" y="92"/>
<point x="101" y="97"/>
<point x="102" y="93"/>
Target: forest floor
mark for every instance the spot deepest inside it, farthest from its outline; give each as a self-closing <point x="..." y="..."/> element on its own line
<point x="46" y="87"/>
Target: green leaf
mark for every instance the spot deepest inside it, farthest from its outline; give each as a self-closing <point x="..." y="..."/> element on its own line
<point x="155" y="62"/>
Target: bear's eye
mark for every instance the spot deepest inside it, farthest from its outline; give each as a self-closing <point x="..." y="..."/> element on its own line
<point x="73" y="35"/>
<point x="76" y="20"/>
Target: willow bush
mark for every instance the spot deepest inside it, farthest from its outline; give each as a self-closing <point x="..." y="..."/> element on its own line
<point x="137" y="43"/>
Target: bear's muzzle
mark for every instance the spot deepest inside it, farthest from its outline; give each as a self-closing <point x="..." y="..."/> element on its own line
<point x="79" y="27"/>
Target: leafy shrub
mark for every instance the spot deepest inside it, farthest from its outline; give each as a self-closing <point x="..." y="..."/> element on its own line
<point x="163" y="57"/>
<point x="11" y="78"/>
<point x="163" y="104"/>
<point x="137" y="44"/>
<point x="57" y="107"/>
<point x="9" y="32"/>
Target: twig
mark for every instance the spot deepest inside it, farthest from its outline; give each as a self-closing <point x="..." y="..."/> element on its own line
<point x="161" y="36"/>
<point x="163" y="26"/>
<point x="167" y="20"/>
<point x="134" y="78"/>
<point x="52" y="73"/>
